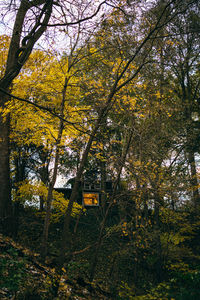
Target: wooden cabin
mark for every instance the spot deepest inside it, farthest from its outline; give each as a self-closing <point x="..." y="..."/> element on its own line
<point x="89" y="194"/>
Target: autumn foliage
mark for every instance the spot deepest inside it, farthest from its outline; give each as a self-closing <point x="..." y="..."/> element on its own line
<point x="115" y="102"/>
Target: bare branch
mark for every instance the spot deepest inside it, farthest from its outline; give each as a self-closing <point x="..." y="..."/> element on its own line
<point x="78" y="21"/>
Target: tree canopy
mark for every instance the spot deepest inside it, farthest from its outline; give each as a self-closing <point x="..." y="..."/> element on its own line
<point x="104" y="94"/>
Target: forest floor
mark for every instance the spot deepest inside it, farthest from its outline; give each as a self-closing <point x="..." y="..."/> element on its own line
<point x="22" y="276"/>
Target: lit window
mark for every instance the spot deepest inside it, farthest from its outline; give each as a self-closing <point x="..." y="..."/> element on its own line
<point x="90" y="199"/>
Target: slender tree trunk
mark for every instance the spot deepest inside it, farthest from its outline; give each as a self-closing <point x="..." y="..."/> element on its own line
<point x="45" y="234"/>
<point x="100" y="238"/>
<point x="158" y="202"/>
<point x="103" y="186"/>
<point x="98" y="245"/>
<point x="44" y="176"/>
<point x="49" y="198"/>
<point x="66" y="234"/>
<point x="41" y="203"/>
<point x="145" y="203"/>
<point x="53" y="180"/>
<point x="102" y="165"/>
<point x="20" y="164"/>
<point x="194" y="180"/>
<point x="5" y="184"/>
<point x="5" y="201"/>
<point x="77" y="222"/>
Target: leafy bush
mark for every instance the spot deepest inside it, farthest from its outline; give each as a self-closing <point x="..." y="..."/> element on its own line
<point x="12" y="270"/>
<point x="182" y="286"/>
<point x="185" y="286"/>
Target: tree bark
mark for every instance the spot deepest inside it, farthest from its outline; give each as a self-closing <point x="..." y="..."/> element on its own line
<point x="44" y="173"/>
<point x="5" y="185"/>
<point x="53" y="179"/>
<point x="194" y="180"/>
<point x="20" y="175"/>
<point x="103" y="186"/>
<point x="17" y="56"/>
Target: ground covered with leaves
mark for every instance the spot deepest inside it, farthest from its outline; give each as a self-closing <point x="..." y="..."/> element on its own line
<point x="24" y="277"/>
<point x="118" y="275"/>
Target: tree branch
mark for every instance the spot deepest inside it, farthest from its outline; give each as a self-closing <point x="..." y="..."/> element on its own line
<point x="78" y="21"/>
<point x="45" y="109"/>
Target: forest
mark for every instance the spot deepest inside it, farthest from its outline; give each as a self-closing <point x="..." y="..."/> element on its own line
<point x="100" y="149"/>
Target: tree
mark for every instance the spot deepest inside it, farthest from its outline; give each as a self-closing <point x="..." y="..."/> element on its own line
<point x="184" y="60"/>
<point x="120" y="75"/>
<point x="31" y="21"/>
<point x="19" y="51"/>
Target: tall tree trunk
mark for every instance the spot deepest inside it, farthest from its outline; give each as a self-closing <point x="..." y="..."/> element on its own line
<point x="54" y="176"/>
<point x="103" y="186"/>
<point x="158" y="247"/>
<point x="111" y="202"/>
<point x="66" y="234"/>
<point x="45" y="234"/>
<point x="158" y="203"/>
<point x="194" y="180"/>
<point x="20" y="165"/>
<point x="5" y="185"/>
<point x="44" y="174"/>
<point x="17" y="56"/>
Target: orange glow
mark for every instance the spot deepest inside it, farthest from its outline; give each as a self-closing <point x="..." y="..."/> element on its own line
<point x="91" y="199"/>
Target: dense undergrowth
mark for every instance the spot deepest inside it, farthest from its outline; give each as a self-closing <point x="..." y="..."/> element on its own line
<point x="116" y="276"/>
<point x="24" y="277"/>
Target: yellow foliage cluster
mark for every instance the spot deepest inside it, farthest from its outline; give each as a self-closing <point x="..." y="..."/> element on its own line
<point x="44" y="81"/>
<point x="30" y="192"/>
<point x="4" y="43"/>
<point x="27" y="191"/>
